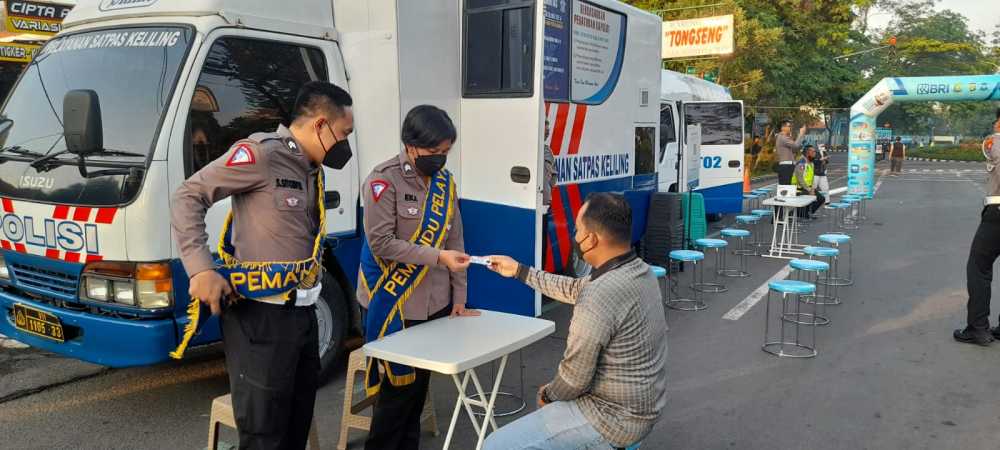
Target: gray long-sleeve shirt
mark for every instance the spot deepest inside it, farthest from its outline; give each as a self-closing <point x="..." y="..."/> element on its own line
<point x="614" y="366"/>
<point x="786" y="148"/>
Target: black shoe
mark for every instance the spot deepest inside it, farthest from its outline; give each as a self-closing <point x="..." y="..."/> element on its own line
<point x="969" y="336"/>
<point x="995" y="332"/>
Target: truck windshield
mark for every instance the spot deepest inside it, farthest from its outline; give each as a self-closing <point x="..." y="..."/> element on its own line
<point x="132" y="70"/>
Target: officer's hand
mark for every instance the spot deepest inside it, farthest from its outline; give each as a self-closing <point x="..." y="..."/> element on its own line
<point x="455" y="261"/>
<point x="541" y="396"/>
<point x="503" y="265"/>
<point x="210" y="288"/>
<point x="803" y="129"/>
<point x="460" y="311"/>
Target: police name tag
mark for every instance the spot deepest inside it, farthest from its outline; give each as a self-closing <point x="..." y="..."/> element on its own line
<point x="481" y="260"/>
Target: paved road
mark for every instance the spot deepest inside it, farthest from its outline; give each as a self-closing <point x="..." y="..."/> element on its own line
<point x="888" y="374"/>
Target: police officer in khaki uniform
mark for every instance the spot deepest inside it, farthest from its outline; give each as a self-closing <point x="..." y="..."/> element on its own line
<point x="271" y="342"/>
<point x="396" y="195"/>
<point x="984" y="252"/>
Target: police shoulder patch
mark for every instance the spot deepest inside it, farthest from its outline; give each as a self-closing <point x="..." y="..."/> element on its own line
<point x="378" y="188"/>
<point x="242" y="155"/>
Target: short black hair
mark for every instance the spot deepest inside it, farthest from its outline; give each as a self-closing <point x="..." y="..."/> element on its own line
<point x="319" y="97"/>
<point x="898" y="139"/>
<point x="786" y="122"/>
<point x="809" y="146"/>
<point x="610" y="215"/>
<point x="427" y="126"/>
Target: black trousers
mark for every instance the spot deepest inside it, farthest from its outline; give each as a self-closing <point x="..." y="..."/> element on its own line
<point x="979" y="268"/>
<point x="396" y="418"/>
<point x="785" y="172"/>
<point x="272" y="355"/>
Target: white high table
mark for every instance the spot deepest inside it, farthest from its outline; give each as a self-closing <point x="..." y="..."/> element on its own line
<point x="454" y="346"/>
<point x="784" y="242"/>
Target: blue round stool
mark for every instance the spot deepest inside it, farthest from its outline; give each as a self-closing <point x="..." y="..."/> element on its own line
<point x="750" y="220"/>
<point x="674" y="301"/>
<point x="718" y="245"/>
<point x="759" y="241"/>
<point x="742" y="270"/>
<point x="836" y="213"/>
<point x="829" y="295"/>
<point x="838" y="240"/>
<point x="752" y="200"/>
<point x="808" y="270"/>
<point x="788" y="343"/>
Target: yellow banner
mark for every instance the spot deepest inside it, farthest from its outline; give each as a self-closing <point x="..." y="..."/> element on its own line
<point x="19" y="53"/>
<point x="33" y="25"/>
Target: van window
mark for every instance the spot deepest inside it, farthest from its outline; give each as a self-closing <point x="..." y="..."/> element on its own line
<point x="499" y="48"/>
<point x="668" y="133"/>
<point x="645" y="161"/>
<point x="721" y="123"/>
<point x="246" y="86"/>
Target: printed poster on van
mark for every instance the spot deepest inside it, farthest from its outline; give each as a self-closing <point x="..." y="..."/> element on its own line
<point x="598" y="52"/>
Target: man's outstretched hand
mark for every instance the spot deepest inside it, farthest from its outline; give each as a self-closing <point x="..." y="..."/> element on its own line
<point x="503" y="265"/>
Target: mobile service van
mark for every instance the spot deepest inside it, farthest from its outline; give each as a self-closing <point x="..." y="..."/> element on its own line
<point x="687" y="100"/>
<point x="90" y="269"/>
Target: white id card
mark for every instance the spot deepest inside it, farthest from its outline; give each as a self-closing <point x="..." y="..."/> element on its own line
<point x="481" y="260"/>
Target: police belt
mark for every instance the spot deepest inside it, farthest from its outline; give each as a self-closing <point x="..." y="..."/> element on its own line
<point x="991" y="200"/>
<point x="277" y="281"/>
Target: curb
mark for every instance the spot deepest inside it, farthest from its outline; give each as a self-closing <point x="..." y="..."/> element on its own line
<point x="942" y="160"/>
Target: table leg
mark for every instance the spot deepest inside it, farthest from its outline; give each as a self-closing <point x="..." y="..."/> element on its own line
<point x="488" y="420"/>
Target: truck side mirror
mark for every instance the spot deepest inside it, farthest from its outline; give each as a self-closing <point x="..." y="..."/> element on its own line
<point x="82" y="127"/>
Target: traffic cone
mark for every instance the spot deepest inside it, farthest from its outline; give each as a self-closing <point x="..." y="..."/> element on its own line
<point x="746" y="176"/>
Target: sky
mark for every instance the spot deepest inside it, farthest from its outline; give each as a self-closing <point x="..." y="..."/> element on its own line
<point x="982" y="14"/>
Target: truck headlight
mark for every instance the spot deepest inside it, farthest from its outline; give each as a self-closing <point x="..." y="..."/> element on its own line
<point x="4" y="271"/>
<point x="142" y="285"/>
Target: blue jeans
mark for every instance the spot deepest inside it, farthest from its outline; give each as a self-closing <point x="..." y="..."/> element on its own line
<point x="557" y="426"/>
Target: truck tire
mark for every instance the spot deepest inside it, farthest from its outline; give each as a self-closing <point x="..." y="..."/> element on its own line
<point x="333" y="322"/>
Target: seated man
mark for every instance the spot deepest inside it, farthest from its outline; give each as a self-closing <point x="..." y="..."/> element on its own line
<point x="805" y="179"/>
<point x="611" y="384"/>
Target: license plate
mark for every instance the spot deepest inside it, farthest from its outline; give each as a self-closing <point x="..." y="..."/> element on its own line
<point x="38" y="323"/>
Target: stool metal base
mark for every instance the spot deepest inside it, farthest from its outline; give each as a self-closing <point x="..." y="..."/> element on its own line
<point x="805" y="319"/>
<point x="709" y="288"/>
<point x="822" y="299"/>
<point x="799" y="350"/>
<point x="734" y="273"/>
<point x="685" y="304"/>
<point x="835" y="281"/>
<point x="497" y="413"/>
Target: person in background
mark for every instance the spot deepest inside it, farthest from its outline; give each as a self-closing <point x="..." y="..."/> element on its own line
<point x="820" y="164"/>
<point x="984" y="252"/>
<point x="610" y="387"/>
<point x="755" y="149"/>
<point x="550" y="169"/>
<point x="805" y="178"/>
<point x="897" y="154"/>
<point x="785" y="149"/>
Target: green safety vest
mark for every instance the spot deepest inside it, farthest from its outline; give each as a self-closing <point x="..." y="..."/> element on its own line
<point x="809" y="175"/>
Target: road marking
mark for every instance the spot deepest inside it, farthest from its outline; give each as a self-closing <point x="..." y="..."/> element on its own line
<point x="755" y="297"/>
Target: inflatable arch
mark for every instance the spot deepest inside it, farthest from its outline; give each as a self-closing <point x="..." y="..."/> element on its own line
<point x="864" y="113"/>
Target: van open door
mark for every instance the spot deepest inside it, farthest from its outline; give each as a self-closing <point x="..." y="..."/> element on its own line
<point x="501" y="131"/>
<point x="667" y="165"/>
<point x="721" y="177"/>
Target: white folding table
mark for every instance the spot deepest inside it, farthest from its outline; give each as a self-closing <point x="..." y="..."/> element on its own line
<point x="454" y="346"/>
<point x="784" y="242"/>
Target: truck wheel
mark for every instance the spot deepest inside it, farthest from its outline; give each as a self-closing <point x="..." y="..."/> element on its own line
<point x="332" y="323"/>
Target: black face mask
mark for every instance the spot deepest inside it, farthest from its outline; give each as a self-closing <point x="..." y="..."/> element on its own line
<point x="579" y="250"/>
<point x="428" y="165"/>
<point x="338" y="155"/>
